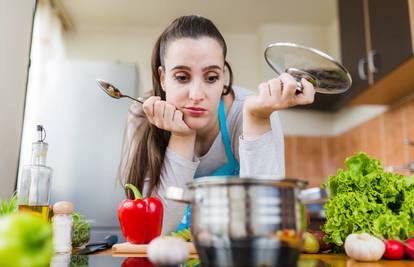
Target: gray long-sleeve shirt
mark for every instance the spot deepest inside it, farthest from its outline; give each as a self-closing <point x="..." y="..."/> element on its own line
<point x="263" y="156"/>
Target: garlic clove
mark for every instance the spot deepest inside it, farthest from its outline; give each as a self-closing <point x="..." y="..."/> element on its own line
<point x="168" y="250"/>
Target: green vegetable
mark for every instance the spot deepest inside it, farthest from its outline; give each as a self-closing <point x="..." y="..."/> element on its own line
<point x="79" y="261"/>
<point x="183" y="234"/>
<point x="25" y="241"/>
<point x="81" y="230"/>
<point x="310" y="243"/>
<point x="10" y="206"/>
<point x="191" y="262"/>
<point x="364" y="198"/>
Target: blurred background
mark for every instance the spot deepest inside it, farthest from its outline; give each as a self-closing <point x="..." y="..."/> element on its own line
<point x="73" y="42"/>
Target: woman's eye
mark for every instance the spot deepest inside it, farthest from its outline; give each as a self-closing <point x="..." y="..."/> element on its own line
<point x="181" y="78"/>
<point x="212" y="79"/>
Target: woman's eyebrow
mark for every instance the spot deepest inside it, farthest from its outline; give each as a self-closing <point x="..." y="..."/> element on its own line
<point x="211" y="67"/>
<point x="183" y="67"/>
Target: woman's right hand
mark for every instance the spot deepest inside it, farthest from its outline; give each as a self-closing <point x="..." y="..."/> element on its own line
<point x="166" y="116"/>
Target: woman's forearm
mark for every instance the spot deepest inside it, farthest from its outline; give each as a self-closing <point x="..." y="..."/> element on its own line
<point x="263" y="155"/>
<point x="183" y="145"/>
<point x="254" y="127"/>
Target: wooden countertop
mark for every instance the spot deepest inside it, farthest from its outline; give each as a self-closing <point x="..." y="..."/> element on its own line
<point x="335" y="260"/>
<point x="341" y="260"/>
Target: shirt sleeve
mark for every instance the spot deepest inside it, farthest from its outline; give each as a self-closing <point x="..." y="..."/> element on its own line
<point x="264" y="155"/>
<point x="176" y="171"/>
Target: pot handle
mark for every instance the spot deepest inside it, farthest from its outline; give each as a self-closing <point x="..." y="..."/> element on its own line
<point x="179" y="194"/>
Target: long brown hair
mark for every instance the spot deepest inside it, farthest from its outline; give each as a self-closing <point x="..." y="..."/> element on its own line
<point x="145" y="156"/>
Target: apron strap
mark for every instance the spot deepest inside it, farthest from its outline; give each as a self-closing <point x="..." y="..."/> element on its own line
<point x="225" y="133"/>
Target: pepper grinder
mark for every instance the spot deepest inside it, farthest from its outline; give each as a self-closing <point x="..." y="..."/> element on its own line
<point x="62" y="226"/>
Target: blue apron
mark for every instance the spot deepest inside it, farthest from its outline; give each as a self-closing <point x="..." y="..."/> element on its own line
<point x="232" y="167"/>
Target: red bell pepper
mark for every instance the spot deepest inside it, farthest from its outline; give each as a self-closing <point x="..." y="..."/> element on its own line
<point x="140" y="219"/>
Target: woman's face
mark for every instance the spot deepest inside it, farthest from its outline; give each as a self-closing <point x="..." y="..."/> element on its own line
<point x="193" y="79"/>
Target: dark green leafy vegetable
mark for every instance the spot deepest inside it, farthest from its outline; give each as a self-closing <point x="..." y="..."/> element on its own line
<point x="365" y="198"/>
<point x="79" y="261"/>
<point x="81" y="230"/>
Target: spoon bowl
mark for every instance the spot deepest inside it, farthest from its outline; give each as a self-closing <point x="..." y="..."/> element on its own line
<point x="114" y="92"/>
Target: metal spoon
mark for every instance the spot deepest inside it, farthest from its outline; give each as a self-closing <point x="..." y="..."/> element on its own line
<point x="114" y="92"/>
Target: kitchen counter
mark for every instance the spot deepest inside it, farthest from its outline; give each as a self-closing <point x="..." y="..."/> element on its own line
<point x="339" y="260"/>
<point x="327" y="260"/>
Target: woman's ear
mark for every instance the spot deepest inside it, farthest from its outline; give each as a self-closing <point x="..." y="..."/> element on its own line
<point x="161" y="73"/>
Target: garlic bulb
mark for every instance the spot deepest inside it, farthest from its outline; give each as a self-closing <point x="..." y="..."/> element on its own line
<point x="364" y="247"/>
<point x="168" y="250"/>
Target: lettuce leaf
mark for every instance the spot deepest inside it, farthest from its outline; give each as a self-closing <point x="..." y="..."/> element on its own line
<point x="365" y="198"/>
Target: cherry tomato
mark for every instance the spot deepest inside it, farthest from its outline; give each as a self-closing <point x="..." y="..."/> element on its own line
<point x="394" y="250"/>
<point x="409" y="248"/>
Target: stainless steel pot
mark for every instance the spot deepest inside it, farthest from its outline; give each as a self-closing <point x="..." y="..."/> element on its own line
<point x="244" y="221"/>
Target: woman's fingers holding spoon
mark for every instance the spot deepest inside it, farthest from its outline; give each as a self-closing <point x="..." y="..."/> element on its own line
<point x="114" y="92"/>
<point x="148" y="105"/>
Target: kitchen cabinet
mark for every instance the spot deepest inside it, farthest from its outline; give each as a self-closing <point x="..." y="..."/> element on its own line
<point x="376" y="39"/>
<point x="389" y="25"/>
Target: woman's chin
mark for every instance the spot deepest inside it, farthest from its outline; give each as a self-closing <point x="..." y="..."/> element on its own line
<point x="196" y="123"/>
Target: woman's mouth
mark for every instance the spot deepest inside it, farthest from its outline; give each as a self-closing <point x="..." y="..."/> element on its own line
<point x="196" y="111"/>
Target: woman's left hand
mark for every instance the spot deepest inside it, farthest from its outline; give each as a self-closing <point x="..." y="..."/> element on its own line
<point x="277" y="94"/>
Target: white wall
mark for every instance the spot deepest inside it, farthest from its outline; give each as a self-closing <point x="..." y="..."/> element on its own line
<point x="307" y="35"/>
<point x="245" y="55"/>
<point x="317" y="123"/>
<point x="334" y="40"/>
<point x="245" y="58"/>
<point x="15" y="28"/>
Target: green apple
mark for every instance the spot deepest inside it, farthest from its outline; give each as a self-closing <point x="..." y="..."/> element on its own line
<point x="310" y="243"/>
<point x="25" y="241"/>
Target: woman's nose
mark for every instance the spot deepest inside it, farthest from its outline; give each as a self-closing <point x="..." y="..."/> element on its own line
<point x="196" y="92"/>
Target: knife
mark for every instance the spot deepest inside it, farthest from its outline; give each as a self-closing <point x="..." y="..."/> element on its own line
<point x="108" y="242"/>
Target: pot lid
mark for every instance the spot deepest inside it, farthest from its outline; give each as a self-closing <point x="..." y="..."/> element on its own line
<point x="326" y="74"/>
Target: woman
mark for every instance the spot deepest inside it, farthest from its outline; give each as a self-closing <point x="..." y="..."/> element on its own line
<point x="192" y="124"/>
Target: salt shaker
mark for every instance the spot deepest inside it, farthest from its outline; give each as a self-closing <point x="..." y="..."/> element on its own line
<point x="62" y="226"/>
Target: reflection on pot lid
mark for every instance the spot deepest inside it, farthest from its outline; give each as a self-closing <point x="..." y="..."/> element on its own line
<point x="235" y="180"/>
<point x="325" y="73"/>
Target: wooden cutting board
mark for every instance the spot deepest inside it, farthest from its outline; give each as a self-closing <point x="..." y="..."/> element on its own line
<point x="128" y="248"/>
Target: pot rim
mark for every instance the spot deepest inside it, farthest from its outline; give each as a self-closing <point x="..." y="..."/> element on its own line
<point x="248" y="180"/>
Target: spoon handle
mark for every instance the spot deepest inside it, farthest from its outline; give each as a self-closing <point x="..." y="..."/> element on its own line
<point x="139" y="99"/>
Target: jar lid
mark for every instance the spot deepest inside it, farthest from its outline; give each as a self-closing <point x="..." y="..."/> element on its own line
<point x="63" y="207"/>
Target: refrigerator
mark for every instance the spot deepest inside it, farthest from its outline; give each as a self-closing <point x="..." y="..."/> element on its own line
<point x="84" y="130"/>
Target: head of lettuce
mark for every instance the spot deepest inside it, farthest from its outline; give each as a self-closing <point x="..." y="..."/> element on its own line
<point x="25" y="241"/>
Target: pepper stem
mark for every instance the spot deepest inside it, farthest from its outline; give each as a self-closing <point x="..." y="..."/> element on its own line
<point x="134" y="189"/>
